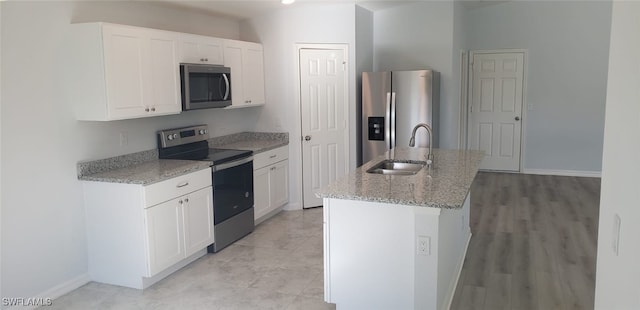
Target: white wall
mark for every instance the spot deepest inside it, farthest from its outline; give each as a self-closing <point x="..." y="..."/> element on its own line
<point x="1" y="151"/>
<point x="279" y="32"/>
<point x="420" y="36"/>
<point x="568" y="45"/>
<point x="459" y="45"/>
<point x="618" y="277"/>
<point x="43" y="228"/>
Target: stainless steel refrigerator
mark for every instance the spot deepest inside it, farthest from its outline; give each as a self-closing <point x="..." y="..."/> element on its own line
<point x="393" y="102"/>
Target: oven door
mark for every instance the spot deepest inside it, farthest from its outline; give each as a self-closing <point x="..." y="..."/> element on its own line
<point x="232" y="189"/>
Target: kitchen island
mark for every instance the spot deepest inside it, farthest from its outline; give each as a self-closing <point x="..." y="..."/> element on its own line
<point x="398" y="241"/>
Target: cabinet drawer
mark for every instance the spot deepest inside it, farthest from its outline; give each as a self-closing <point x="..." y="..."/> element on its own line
<point x="178" y="186"/>
<point x="270" y="157"/>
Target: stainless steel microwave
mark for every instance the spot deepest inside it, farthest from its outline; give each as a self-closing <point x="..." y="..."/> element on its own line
<point x="205" y="86"/>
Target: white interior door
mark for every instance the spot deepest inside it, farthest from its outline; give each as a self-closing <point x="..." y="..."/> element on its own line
<point x="323" y="80"/>
<point x="495" y="113"/>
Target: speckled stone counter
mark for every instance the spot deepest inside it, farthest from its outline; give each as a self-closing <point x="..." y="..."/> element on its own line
<point x="253" y="141"/>
<point x="148" y="172"/>
<point x="444" y="185"/>
<point x="145" y="167"/>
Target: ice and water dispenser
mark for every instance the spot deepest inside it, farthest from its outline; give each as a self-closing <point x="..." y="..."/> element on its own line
<point x="376" y="128"/>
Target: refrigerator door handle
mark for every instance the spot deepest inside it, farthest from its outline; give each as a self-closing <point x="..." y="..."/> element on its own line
<point x="387" y="122"/>
<point x="393" y="120"/>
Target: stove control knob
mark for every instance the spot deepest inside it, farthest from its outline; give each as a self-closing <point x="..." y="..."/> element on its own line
<point x="175" y="136"/>
<point x="169" y="137"/>
<point x="201" y="131"/>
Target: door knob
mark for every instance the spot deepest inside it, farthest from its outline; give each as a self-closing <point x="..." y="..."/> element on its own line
<point x="517" y="118"/>
<point x="307" y="138"/>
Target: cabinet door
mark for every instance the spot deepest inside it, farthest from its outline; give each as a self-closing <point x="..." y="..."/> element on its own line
<point x="253" y="74"/>
<point x="198" y="220"/>
<point x="233" y="60"/>
<point x="164" y="235"/>
<point x="141" y="72"/>
<point x="124" y="67"/>
<point x="261" y="192"/>
<point x="279" y="180"/>
<point x="162" y="94"/>
<point x="212" y="51"/>
<point x="200" y="49"/>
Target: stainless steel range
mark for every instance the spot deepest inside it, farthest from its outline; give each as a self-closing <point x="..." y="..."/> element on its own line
<point x="232" y="175"/>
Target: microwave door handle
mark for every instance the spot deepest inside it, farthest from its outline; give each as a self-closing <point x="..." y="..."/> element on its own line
<point x="226" y="81"/>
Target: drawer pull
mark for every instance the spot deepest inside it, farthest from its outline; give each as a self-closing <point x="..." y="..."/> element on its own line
<point x="182" y="184"/>
<point x="273" y="156"/>
<point x="272" y="168"/>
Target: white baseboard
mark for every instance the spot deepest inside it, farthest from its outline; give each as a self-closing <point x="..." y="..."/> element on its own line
<point x="57" y="291"/>
<point x="568" y="173"/>
<point x="293" y="206"/>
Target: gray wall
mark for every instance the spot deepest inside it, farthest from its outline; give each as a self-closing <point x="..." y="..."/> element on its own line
<point x="364" y="63"/>
<point x="43" y="227"/>
<point x="419" y="35"/>
<point x="568" y="44"/>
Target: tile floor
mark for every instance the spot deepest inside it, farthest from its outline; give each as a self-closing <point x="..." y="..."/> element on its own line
<point x="278" y="266"/>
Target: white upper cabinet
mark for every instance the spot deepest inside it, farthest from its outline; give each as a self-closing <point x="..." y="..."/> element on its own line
<point x="247" y="72"/>
<point x="200" y="49"/>
<point x="121" y="72"/>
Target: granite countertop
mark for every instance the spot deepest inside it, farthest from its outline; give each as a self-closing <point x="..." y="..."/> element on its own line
<point x="444" y="185"/>
<point x="145" y="168"/>
<point x="148" y="172"/>
<point x="252" y="141"/>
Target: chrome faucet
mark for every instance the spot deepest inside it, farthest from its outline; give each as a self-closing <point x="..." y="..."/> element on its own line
<point x="412" y="141"/>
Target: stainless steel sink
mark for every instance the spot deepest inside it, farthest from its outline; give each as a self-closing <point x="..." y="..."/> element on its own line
<point x="397" y="167"/>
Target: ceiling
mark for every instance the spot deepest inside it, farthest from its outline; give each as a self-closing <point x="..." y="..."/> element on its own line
<point x="242" y="9"/>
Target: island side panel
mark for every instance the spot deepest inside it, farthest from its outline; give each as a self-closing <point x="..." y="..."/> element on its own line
<point x="426" y="257"/>
<point x="368" y="247"/>
<point x="455" y="233"/>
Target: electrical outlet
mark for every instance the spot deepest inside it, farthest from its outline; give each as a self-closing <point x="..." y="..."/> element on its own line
<point x="615" y="245"/>
<point x="423" y="246"/>
<point x="124" y="138"/>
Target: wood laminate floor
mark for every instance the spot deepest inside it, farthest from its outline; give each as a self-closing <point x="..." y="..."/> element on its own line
<point x="533" y="244"/>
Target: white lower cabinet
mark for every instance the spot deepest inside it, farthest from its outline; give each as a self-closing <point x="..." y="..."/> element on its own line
<point x="164" y="235"/>
<point x="270" y="181"/>
<point x="197" y="214"/>
<point x="137" y="235"/>
<point x="179" y="228"/>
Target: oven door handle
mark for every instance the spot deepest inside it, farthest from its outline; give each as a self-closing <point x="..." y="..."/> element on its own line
<point x="232" y="164"/>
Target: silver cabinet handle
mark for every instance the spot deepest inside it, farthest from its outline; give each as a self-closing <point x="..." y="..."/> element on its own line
<point x="307" y="138"/>
<point x="180" y="201"/>
<point x="146" y="109"/>
<point x="186" y="200"/>
<point x="272" y="168"/>
<point x="273" y="156"/>
<point x="153" y="109"/>
<point x="182" y="184"/>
